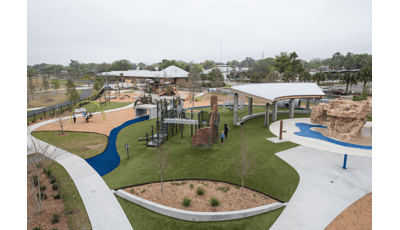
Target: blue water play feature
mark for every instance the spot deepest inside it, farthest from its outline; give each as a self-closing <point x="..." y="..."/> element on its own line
<point x="305" y="131"/>
<point x="108" y="160"/>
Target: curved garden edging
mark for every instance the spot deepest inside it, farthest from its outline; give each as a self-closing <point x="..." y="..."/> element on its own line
<point x="197" y="216"/>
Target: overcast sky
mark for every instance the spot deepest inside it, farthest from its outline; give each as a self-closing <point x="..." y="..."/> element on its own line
<point x="149" y="31"/>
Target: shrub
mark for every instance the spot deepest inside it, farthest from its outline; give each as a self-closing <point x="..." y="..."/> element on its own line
<point x="182" y="183"/>
<point x="53" y="179"/>
<point x="237" y="187"/>
<point x="224" y="189"/>
<point x="214" y="202"/>
<point x="57" y="196"/>
<point x="55" y="186"/>
<point x="35" y="180"/>
<point x="254" y="195"/>
<point x="43" y="196"/>
<point x="42" y="188"/>
<point x="132" y="190"/>
<point x="48" y="173"/>
<point x="55" y="219"/>
<point x="37" y="228"/>
<point x="191" y="186"/>
<point x="186" y="201"/>
<point x="200" y="191"/>
<point x="39" y="165"/>
<point x="144" y="190"/>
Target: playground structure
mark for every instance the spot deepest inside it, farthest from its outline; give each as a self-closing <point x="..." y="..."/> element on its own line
<point x="168" y="89"/>
<point x="89" y="115"/>
<point x="143" y="99"/>
<point x="230" y="102"/>
<point x="346" y="120"/>
<point x="172" y="118"/>
<point x="161" y="89"/>
<point x="205" y="137"/>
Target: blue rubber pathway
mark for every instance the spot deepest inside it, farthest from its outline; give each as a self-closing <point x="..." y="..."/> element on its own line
<point x="305" y="131"/>
<point x="108" y="160"/>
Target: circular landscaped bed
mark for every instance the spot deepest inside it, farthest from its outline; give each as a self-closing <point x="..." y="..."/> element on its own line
<point x="227" y="195"/>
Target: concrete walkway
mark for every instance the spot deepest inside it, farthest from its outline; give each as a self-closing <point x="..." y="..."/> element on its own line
<point x="102" y="207"/>
<point x="290" y="128"/>
<point x="325" y="189"/>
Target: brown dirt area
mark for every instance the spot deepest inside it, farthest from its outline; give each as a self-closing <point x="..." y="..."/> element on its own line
<point x="172" y="196"/>
<point x="356" y="216"/>
<point x="50" y="206"/>
<point x="126" y="99"/>
<point x="360" y="140"/>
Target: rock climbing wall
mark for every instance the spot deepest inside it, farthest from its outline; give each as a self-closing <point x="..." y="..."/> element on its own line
<point x="346" y="117"/>
<point x="205" y="137"/>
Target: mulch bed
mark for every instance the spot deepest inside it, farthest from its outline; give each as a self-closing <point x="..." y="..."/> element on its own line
<point x="172" y="195"/>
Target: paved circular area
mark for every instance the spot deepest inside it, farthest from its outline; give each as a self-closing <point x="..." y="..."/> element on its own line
<point x="289" y="125"/>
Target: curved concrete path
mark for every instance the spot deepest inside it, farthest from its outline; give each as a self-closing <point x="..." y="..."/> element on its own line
<point x="290" y="128"/>
<point x="325" y="188"/>
<point x="103" y="209"/>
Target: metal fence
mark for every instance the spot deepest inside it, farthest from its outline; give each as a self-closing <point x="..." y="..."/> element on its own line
<point x="62" y="108"/>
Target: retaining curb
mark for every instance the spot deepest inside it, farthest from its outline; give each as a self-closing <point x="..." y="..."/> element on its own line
<point x="197" y="216"/>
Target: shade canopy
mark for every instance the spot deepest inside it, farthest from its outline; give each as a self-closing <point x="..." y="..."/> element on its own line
<point x="271" y="92"/>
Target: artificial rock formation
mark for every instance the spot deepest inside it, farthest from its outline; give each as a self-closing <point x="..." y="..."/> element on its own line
<point x="346" y="117"/>
<point x="206" y="136"/>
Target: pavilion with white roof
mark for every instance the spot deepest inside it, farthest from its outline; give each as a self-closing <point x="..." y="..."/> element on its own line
<point x="271" y="93"/>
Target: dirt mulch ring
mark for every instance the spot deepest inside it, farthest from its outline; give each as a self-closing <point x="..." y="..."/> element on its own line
<point x="172" y="196"/>
<point x="50" y="206"/>
<point x="356" y="216"/>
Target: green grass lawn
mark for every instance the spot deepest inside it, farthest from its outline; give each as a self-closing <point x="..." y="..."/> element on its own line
<point x="275" y="177"/>
<point x="109" y="105"/>
<point x="85" y="145"/>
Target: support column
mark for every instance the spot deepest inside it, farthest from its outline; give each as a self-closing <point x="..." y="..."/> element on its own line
<point x="308" y="104"/>
<point x="291" y="108"/>
<point x="266" y="121"/>
<point x="317" y="100"/>
<point x="235" y="108"/>
<point x="275" y="112"/>
<point x="250" y="107"/>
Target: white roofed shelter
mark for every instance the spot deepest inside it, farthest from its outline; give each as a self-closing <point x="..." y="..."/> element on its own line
<point x="271" y="93"/>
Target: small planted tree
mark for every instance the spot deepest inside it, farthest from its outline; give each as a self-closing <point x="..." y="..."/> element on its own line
<point x="56" y="83"/>
<point x="161" y="161"/>
<point x="72" y="94"/>
<point x="45" y="82"/>
<point x="244" y="164"/>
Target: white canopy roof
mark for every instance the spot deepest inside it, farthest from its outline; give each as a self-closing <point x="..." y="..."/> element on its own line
<point x="170" y="72"/>
<point x="270" y="92"/>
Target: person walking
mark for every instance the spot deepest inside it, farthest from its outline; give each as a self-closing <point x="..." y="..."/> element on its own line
<point x="73" y="116"/>
<point x="226" y="128"/>
<point x="222" y="137"/>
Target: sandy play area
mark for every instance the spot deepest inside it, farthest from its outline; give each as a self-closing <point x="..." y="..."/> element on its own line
<point x="173" y="194"/>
